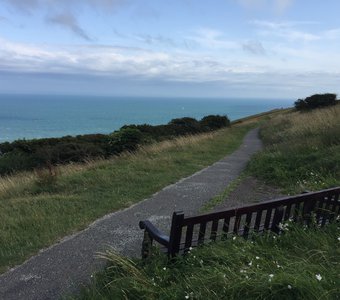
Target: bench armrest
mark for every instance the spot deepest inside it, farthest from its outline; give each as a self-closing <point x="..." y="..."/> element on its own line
<point x="154" y="233"/>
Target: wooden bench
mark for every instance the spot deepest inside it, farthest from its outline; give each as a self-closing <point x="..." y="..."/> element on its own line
<point x="186" y="232"/>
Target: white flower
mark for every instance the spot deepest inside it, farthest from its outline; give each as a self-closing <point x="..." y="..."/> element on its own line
<point x="164" y="268"/>
<point x="186" y="297"/>
<point x="271" y="275"/>
<point x="250" y="264"/>
<point x="318" y="277"/>
<point x="257" y="257"/>
<point x="339" y="238"/>
<point x="289" y="287"/>
<point x="190" y="248"/>
<point x="247" y="276"/>
<point x="234" y="238"/>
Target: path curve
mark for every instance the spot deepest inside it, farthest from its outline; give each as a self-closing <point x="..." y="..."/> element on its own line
<point x="63" y="267"/>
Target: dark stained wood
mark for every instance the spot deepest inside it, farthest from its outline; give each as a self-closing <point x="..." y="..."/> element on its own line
<point x="175" y="233"/>
<point x="188" y="236"/>
<point x="325" y="205"/>
<point x="201" y="233"/>
<point x="247" y="224"/>
<point x="287" y="212"/>
<point x="214" y="228"/>
<point x="268" y="219"/>
<point x="277" y="219"/>
<point x="258" y="221"/>
<point x="225" y="227"/>
<point x="237" y="223"/>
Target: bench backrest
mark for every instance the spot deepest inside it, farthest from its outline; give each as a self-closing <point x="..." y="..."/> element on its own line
<point x="320" y="207"/>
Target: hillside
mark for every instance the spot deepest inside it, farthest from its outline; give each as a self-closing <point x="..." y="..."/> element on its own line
<point x="301" y="152"/>
<point x="39" y="208"/>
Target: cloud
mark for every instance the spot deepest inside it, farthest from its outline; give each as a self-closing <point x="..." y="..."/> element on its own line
<point x="254" y="47"/>
<point x="32" y="5"/>
<point x="67" y="20"/>
<point x="279" y="6"/>
<point x="212" y="39"/>
<point x="286" y="30"/>
<point x="282" y="5"/>
<point x="156" y="39"/>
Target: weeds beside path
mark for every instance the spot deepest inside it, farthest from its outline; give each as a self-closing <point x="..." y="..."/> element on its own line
<point x="64" y="266"/>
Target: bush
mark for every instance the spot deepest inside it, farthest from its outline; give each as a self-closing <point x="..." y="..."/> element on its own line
<point x="126" y="139"/>
<point x="315" y="101"/>
<point x="212" y="122"/>
<point x="38" y="153"/>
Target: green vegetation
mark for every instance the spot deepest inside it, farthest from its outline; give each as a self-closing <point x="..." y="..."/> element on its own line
<point x="315" y="101"/>
<point x="38" y="208"/>
<point x="302" y="150"/>
<point x="41" y="153"/>
<point x="220" y="198"/>
<point x="301" y="264"/>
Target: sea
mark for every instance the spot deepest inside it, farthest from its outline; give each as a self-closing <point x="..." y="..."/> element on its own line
<point x="41" y="116"/>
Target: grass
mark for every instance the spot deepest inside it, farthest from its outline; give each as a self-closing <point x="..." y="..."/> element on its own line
<point x="301" y="264"/>
<point x="220" y="198"/>
<point x="302" y="151"/>
<point x="37" y="209"/>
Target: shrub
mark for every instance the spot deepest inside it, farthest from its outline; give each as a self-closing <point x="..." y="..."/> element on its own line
<point x="212" y="122"/>
<point x="315" y="101"/>
<point x="126" y="139"/>
<point x="39" y="153"/>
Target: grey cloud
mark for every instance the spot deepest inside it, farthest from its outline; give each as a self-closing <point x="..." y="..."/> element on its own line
<point x="68" y="21"/>
<point x="31" y="5"/>
<point x="254" y="47"/>
<point x="159" y="39"/>
<point x="279" y="6"/>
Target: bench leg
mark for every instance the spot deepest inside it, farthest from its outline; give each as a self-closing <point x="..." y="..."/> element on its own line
<point x="146" y="245"/>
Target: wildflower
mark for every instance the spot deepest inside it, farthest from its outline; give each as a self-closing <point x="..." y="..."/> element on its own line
<point x="257" y="257"/>
<point x="250" y="264"/>
<point x="271" y="275"/>
<point x="190" y="248"/>
<point x="289" y="287"/>
<point x="201" y="262"/>
<point x="234" y="238"/>
<point x="247" y="276"/>
<point x="339" y="238"/>
<point x="186" y="296"/>
<point x="164" y="268"/>
<point x="318" y="277"/>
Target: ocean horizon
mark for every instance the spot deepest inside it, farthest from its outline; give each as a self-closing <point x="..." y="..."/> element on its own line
<point x="43" y="116"/>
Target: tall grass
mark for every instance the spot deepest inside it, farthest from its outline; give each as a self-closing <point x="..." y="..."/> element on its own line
<point x="37" y="209"/>
<point x="302" y="150"/>
<point x="301" y="264"/>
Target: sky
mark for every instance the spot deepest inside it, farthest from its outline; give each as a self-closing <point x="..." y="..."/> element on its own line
<point x="172" y="48"/>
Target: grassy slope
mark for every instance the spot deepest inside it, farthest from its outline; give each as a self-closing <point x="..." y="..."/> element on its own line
<point x="302" y="151"/>
<point x="38" y="209"/>
<point x="284" y="267"/>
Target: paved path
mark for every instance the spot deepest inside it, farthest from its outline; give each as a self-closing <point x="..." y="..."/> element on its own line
<point x="63" y="267"/>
